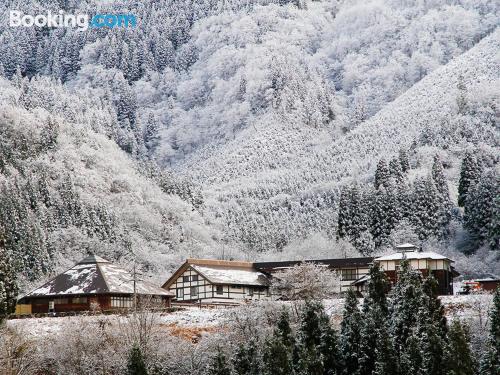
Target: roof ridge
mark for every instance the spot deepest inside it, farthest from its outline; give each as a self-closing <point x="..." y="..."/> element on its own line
<point x="217" y="262"/>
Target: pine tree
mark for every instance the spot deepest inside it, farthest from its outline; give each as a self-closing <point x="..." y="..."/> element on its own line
<point x="404" y="161"/>
<point x="278" y="349"/>
<point x="490" y="362"/>
<point x="444" y="194"/>
<point x="469" y="174"/>
<point x="479" y="210"/>
<point x="218" y="364"/>
<point x="8" y="284"/>
<point x="395" y="170"/>
<point x="136" y="365"/>
<point x="151" y="136"/>
<point x="375" y="316"/>
<point x="426" y="216"/>
<point x="350" y="328"/>
<point x="458" y="357"/>
<point x="246" y="359"/>
<point x="406" y="297"/>
<point x="382" y="174"/>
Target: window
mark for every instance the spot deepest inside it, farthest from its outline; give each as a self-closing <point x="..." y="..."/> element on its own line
<point x="250" y="291"/>
<point x="194" y="291"/>
<point x="185" y="279"/>
<point x="237" y="286"/>
<point x="122" y="302"/>
<point x="79" y="300"/>
<point x="194" y="278"/>
<point x="349" y="274"/>
<point x="180" y="292"/>
<point x="219" y="289"/>
<point x="61" y="301"/>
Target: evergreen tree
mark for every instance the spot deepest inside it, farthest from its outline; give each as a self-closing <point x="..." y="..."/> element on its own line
<point x="151" y="136"/>
<point x="490" y="362"/>
<point x="458" y="357"/>
<point x="246" y="359"/>
<point x="426" y="216"/>
<point x="444" y="194"/>
<point x="404" y="161"/>
<point x="469" y="173"/>
<point x="382" y="174"/>
<point x="136" y="365"/>
<point x="406" y="297"/>
<point x="395" y="170"/>
<point x="8" y="284"/>
<point x="481" y="206"/>
<point x="374" y="324"/>
<point x="218" y="364"/>
<point x="350" y="338"/>
<point x="279" y="349"/>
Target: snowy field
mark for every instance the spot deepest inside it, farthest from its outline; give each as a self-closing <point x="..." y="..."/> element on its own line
<point x="471" y="309"/>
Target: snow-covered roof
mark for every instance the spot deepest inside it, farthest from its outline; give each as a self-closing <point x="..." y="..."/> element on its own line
<point x="413" y="255"/>
<point x="406" y="246"/>
<point x="95" y="275"/>
<point x="227" y="275"/>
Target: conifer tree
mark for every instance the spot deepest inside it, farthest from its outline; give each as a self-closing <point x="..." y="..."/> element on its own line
<point x="442" y="187"/>
<point x="458" y="355"/>
<point x="382" y="174"/>
<point x="469" y="173"/>
<point x="403" y="160"/>
<point x="218" y="364"/>
<point x="395" y="170"/>
<point x="246" y="359"/>
<point x="406" y="297"/>
<point x="375" y="316"/>
<point x="480" y="212"/>
<point x="8" y="284"/>
<point x="426" y="216"/>
<point x="136" y="365"/>
<point x="490" y="362"/>
<point x="350" y="328"/>
<point x="279" y="349"/>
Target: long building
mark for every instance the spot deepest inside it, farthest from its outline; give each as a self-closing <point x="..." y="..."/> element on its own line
<point x="222" y="280"/>
<point x="91" y="284"/>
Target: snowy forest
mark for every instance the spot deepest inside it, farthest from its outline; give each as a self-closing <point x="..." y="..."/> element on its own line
<point x="256" y="129"/>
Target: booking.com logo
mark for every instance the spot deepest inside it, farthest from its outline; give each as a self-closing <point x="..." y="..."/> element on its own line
<point x="62" y="19"/>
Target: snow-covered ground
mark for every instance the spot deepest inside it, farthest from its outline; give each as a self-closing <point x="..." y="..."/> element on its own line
<point x="469" y="308"/>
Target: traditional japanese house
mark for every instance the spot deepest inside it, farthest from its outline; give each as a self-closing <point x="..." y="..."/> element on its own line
<point x="92" y="284"/>
<point x="428" y="263"/>
<point x="217" y="281"/>
<point x="348" y="269"/>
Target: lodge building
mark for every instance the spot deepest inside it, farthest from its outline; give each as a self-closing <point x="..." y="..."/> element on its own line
<point x="91" y="284"/>
<point x="217" y="281"/>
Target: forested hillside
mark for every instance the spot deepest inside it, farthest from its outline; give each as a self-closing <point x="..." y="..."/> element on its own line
<point x="232" y="127"/>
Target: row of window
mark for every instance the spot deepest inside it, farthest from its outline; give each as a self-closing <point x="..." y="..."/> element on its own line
<point x="122" y="302"/>
<point x="75" y="300"/>
<point x="187" y="279"/>
<point x="219" y="290"/>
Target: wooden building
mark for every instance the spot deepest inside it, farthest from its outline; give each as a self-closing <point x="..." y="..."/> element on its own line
<point x="91" y="284"/>
<point x="217" y="281"/>
<point x="428" y="263"/>
<point x="349" y="269"/>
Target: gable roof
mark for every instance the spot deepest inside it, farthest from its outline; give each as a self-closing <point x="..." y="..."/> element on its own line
<point x="95" y="275"/>
<point x="332" y="263"/>
<point x="413" y="255"/>
<point x="222" y="272"/>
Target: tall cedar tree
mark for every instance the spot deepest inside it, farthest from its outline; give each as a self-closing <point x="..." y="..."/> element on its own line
<point x="279" y="348"/>
<point x="317" y="342"/>
<point x="350" y="331"/>
<point x="490" y="363"/>
<point x="246" y="359"/>
<point x="406" y="297"/>
<point x="469" y="173"/>
<point x="481" y="208"/>
<point x="382" y="174"/>
<point x="444" y="194"/>
<point x="403" y="159"/>
<point x="459" y="358"/>
<point x="375" y="315"/>
<point x="136" y="365"/>
<point x="8" y="284"/>
<point x="218" y="364"/>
